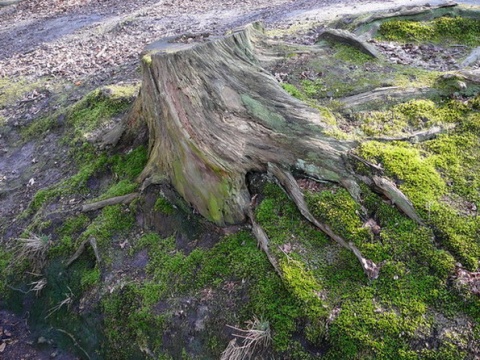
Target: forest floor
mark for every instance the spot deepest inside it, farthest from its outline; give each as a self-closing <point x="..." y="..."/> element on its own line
<point x="54" y="52"/>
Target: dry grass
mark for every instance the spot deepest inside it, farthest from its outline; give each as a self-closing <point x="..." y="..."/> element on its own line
<point x="38" y="286"/>
<point x="65" y="302"/>
<point x="34" y="249"/>
<point x="247" y="342"/>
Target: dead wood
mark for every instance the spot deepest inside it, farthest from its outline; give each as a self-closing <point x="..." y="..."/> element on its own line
<point x="381" y="97"/>
<point x="346" y="37"/>
<point x="408" y="11"/>
<point x="125" y="199"/>
<point x="81" y="249"/>
<point x="215" y="114"/>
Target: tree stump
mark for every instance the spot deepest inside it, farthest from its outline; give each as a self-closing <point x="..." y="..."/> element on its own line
<point x="214" y="114"/>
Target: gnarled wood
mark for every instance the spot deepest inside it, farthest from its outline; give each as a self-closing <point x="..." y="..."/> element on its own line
<point x="215" y="114"/>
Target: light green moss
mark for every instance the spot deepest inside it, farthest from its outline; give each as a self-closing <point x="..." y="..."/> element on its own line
<point x="292" y="90"/>
<point x="98" y="107"/>
<point x="113" y="220"/>
<point x="443" y="29"/>
<point x="12" y="90"/>
<point x="350" y="54"/>
<point x="410" y="116"/>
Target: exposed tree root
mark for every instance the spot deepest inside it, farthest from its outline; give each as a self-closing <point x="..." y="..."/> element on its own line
<point x="390" y="190"/>
<point x="125" y="199"/>
<point x="381" y="96"/>
<point x="348" y="38"/>
<point x="294" y="192"/>
<point x="81" y="249"/>
<point x="262" y="240"/>
<point x="419" y="136"/>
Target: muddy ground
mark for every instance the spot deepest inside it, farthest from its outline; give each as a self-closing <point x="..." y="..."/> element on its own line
<point x="56" y="51"/>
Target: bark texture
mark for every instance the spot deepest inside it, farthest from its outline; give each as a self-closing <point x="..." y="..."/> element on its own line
<point x="214" y="114"/>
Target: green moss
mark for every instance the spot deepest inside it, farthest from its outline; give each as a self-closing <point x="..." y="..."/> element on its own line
<point x="303" y="286"/>
<point x="292" y="90"/>
<point x="131" y="164"/>
<point x="37" y="127"/>
<point x="380" y="319"/>
<point x="340" y="211"/>
<point x="5" y="258"/>
<point x="125" y="167"/>
<point x="350" y="54"/>
<point x="125" y="316"/>
<point x="410" y="116"/>
<point x="113" y="220"/>
<point x="423" y="173"/>
<point x="163" y="206"/>
<point x="75" y="184"/>
<point x="123" y="187"/>
<point x="98" y="107"/>
<point x="90" y="278"/>
<point x="12" y="90"/>
<point x="234" y="258"/>
<point x="443" y="29"/>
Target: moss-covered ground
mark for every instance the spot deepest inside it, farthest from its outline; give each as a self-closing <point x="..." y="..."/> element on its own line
<point x="140" y="294"/>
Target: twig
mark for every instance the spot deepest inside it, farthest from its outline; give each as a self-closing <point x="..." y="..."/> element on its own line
<point x="75" y="342"/>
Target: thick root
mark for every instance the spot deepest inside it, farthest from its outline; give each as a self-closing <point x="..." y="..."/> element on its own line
<point x="125" y="199"/>
<point x="294" y="192"/>
<point x="262" y="240"/>
<point x="81" y="249"/>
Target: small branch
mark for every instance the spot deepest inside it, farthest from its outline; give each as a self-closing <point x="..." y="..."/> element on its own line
<point x="419" y="136"/>
<point x="75" y="342"/>
<point x="125" y="199"/>
<point x="294" y="192"/>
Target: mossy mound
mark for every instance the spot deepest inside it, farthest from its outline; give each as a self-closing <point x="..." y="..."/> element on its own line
<point x="159" y="281"/>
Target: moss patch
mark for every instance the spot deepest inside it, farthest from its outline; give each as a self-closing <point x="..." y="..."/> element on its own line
<point x="439" y="176"/>
<point x="441" y="30"/>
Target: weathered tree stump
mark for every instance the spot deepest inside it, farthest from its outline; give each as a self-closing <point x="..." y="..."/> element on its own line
<point x="215" y="114"/>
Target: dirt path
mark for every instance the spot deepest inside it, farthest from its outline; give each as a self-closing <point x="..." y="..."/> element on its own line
<point x="78" y="38"/>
